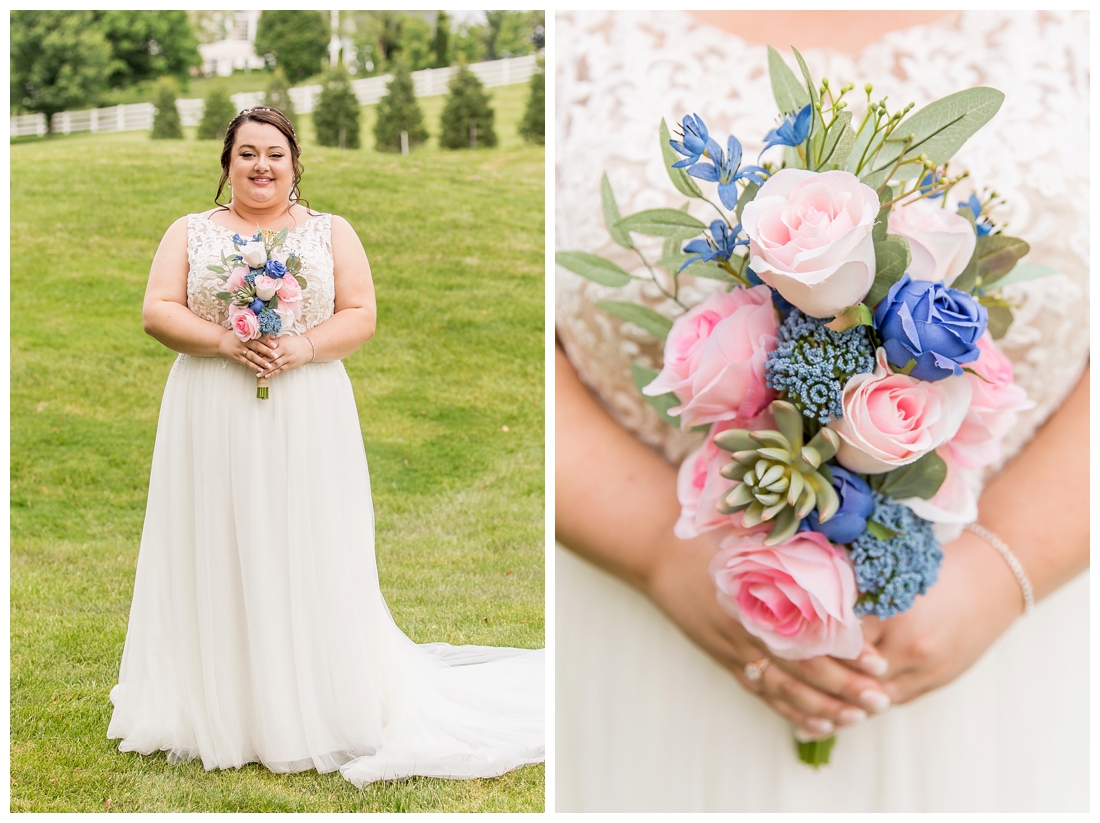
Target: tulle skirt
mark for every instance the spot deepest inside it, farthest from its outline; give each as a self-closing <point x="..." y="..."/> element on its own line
<point x="258" y="632"/>
<point x="647" y="722"/>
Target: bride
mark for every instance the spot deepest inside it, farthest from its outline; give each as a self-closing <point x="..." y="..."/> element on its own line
<point x="956" y="705"/>
<point x="258" y="632"/>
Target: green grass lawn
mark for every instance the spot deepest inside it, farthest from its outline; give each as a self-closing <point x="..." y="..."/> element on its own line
<point x="455" y="241"/>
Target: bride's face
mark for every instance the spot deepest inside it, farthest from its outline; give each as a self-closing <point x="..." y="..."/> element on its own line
<point x="261" y="167"/>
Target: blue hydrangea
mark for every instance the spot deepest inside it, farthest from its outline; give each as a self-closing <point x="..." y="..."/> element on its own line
<point x="812" y="363"/>
<point x="270" y="322"/>
<point x="891" y="573"/>
<point x="250" y="278"/>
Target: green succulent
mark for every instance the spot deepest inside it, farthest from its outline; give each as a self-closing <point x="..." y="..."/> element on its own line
<point x="781" y="480"/>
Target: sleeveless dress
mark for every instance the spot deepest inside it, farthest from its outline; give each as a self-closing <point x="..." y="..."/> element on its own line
<point x="258" y="632"/>
<point x="644" y="719"/>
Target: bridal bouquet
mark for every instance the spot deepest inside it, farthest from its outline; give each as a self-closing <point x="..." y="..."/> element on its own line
<point x="263" y="288"/>
<point x="844" y="368"/>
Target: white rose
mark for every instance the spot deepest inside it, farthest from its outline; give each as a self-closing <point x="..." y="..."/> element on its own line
<point x="811" y="239"/>
<point x="941" y="241"/>
<point x="254" y="254"/>
<point x="287" y="318"/>
<point x="266" y="287"/>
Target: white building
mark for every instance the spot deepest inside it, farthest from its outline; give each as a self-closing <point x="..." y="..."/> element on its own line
<point x="234" y="51"/>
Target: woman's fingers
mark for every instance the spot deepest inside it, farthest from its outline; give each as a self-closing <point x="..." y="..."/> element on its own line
<point x="810" y="701"/>
<point x="830" y="676"/>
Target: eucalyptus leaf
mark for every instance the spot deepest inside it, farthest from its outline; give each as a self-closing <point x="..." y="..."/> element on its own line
<point x="833" y="153"/>
<point x="939" y="130"/>
<point x="878" y="233"/>
<point x="218" y="269"/>
<point x="1026" y="271"/>
<point x="593" y="267"/>
<point x="997" y="255"/>
<point x="849" y="318"/>
<point x="662" y="403"/>
<point x="892" y="258"/>
<point x="817" y="126"/>
<point x="611" y="214"/>
<point x="661" y="223"/>
<point x="790" y="96"/>
<point x="301" y="281"/>
<point x="680" y="178"/>
<point x="711" y="271"/>
<point x="921" y="478"/>
<point x="656" y="324"/>
<point x="281" y="236"/>
<point x="746" y="197"/>
<point x="224" y="295"/>
<point x="880" y="531"/>
<point x="1000" y="318"/>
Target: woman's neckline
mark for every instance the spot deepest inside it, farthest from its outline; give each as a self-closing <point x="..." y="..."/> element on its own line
<point x="206" y="217"/>
<point x="948" y="19"/>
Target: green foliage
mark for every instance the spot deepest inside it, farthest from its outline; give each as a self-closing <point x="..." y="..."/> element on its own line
<point x="336" y="115"/>
<point x="148" y="44"/>
<point x="512" y="33"/>
<point x="295" y="40"/>
<point x="398" y="111"/>
<point x="218" y="111"/>
<point x="166" y="122"/>
<point x="458" y="501"/>
<point x="440" y="45"/>
<point x="469" y="43"/>
<point x="644" y="318"/>
<point x="533" y="126"/>
<point x="467" y="111"/>
<point x="58" y="60"/>
<point x="790" y="95"/>
<point x="277" y="95"/>
<point x="592" y="266"/>
<point x="417" y="43"/>
<point x="922" y="478"/>
<point x="892" y="258"/>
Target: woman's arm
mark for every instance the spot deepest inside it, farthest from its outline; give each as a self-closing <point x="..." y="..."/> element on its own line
<point x="165" y="316"/>
<point x="353" y="322"/>
<point x="616" y="506"/>
<point x="1039" y="506"/>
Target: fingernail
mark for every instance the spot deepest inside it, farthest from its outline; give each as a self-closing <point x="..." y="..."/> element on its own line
<point x="805" y="736"/>
<point x="819" y="725"/>
<point x="852" y="716"/>
<point x="874" y="700"/>
<point x="873" y="664"/>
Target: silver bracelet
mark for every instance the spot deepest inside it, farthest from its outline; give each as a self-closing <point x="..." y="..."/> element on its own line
<point x="1013" y="563"/>
<point x="306" y="336"/>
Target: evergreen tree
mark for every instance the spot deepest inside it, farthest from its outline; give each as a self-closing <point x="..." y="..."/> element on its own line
<point x="217" y="113"/>
<point x="295" y="40"/>
<point x="278" y="96"/>
<point x="166" y="122"/>
<point x="336" y="116"/>
<point x="533" y="126"/>
<point x="467" y="120"/>
<point x="398" y="111"/>
<point x="148" y="44"/>
<point x="442" y="35"/>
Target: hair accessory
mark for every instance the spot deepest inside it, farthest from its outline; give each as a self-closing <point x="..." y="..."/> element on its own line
<point x="1011" y="559"/>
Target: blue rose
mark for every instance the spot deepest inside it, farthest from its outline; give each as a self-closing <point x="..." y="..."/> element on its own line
<point x="274" y="268"/>
<point x="856" y="505"/>
<point x="256" y="305"/>
<point x="927" y="322"/>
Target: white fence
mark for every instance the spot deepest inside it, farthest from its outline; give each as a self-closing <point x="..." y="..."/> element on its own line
<point x="368" y="90"/>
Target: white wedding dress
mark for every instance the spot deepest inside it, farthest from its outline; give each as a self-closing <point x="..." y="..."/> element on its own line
<point x="258" y="632"/>
<point x="644" y="719"/>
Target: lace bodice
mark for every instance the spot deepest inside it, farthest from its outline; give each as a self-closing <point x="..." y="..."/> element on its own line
<point x="311" y="241"/>
<point x="619" y="73"/>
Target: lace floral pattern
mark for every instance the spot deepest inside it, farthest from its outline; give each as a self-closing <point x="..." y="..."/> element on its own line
<point x="619" y="73"/>
<point x="311" y="241"/>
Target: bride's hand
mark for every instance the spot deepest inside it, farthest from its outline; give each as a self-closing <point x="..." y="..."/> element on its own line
<point x="258" y="355"/>
<point x="948" y="629"/>
<point x="817" y="695"/>
<point x="288" y="353"/>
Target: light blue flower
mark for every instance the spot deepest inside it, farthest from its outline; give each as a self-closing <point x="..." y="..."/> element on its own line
<point x="694" y="143"/>
<point x="926" y="184"/>
<point x="719" y="245"/>
<point x="791" y="132"/>
<point x="726" y="170"/>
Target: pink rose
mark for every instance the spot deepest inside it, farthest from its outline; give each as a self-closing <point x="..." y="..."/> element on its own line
<point x="715" y="356"/>
<point x="893" y="419"/>
<point x="290" y="294"/>
<point x="265" y="287"/>
<point x="236" y="279"/>
<point x="942" y="242"/>
<point x="993" y="407"/>
<point x="811" y="239"/>
<point x="700" y="487"/>
<point x="953" y="503"/>
<point x="244" y="322"/>
<point x="798" y="597"/>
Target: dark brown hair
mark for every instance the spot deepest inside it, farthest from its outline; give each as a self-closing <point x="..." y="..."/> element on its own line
<point x="272" y="117"/>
